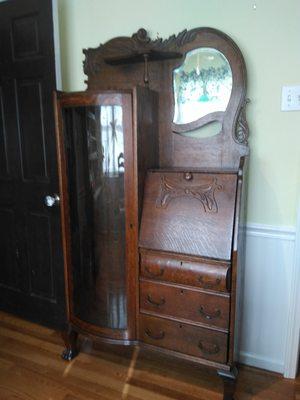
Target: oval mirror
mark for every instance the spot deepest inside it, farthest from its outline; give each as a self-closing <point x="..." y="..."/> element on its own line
<point x="202" y="85"/>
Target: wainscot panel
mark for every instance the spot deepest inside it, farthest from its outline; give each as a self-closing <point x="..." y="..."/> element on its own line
<point x="267" y="277"/>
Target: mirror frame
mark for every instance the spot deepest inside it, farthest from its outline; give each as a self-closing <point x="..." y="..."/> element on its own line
<point x="211" y="38"/>
<point x="120" y="64"/>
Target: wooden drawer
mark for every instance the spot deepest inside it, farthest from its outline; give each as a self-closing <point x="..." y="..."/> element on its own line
<point x="184" y="338"/>
<point x="206" y="275"/>
<point x="179" y="302"/>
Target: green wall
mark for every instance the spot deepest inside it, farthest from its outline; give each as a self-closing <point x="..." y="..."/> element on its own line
<point x="269" y="37"/>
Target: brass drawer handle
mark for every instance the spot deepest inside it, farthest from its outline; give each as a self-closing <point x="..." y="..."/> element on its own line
<point x="209" y="285"/>
<point x="153" y="274"/>
<point x="216" y="314"/>
<point x="156" y="303"/>
<point x="160" y="336"/>
<point x="215" y="349"/>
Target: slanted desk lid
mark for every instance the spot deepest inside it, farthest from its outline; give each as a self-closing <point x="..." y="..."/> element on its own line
<point x="189" y="212"/>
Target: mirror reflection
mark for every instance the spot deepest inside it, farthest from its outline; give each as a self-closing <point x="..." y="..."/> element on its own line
<point x="202" y="85"/>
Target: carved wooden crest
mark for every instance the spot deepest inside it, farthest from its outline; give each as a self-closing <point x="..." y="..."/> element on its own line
<point x="130" y="47"/>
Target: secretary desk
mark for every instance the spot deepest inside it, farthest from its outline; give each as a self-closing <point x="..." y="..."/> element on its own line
<point x="153" y="166"/>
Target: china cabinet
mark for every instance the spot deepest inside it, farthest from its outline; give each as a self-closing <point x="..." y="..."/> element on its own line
<point x="153" y="169"/>
<point x="106" y="141"/>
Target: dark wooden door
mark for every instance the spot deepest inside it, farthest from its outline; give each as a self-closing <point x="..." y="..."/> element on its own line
<point x="31" y="262"/>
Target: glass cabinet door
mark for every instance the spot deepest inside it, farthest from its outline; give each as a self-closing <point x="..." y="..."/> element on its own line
<point x="94" y="141"/>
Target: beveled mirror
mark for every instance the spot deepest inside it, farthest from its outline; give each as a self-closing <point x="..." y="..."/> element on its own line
<point x="202" y="84"/>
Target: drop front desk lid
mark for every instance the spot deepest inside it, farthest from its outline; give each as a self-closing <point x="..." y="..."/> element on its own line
<point x="189" y="212"/>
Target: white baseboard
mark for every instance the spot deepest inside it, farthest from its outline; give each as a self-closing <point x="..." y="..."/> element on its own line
<point x="254" y="360"/>
<point x="266" y="298"/>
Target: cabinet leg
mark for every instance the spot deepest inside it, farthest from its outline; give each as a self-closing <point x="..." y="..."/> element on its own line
<point x="229" y="380"/>
<point x="70" y="338"/>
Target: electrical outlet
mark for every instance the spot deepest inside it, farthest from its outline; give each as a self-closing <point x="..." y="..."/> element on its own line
<point x="290" y="99"/>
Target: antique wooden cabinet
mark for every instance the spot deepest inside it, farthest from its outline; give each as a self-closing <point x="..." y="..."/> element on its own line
<point x="153" y="167"/>
<point x="104" y="150"/>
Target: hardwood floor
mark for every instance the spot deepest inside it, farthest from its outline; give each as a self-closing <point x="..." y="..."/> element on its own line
<point x="31" y="369"/>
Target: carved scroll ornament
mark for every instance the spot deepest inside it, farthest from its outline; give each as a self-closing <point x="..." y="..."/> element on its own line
<point x="242" y="128"/>
<point x="205" y="193"/>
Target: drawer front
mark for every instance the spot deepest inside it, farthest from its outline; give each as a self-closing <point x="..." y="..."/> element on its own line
<point x="184" y="338"/>
<point x="191" y="305"/>
<point x="208" y="276"/>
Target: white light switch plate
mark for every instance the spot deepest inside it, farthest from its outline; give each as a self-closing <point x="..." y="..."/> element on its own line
<point x="290" y="98"/>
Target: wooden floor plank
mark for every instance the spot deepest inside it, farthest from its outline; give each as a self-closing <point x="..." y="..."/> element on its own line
<point x="31" y="369"/>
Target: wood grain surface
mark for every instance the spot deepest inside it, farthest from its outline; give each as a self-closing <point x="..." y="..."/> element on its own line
<point x="184" y="304"/>
<point x="183" y="338"/>
<point x="205" y="274"/>
<point x="189" y="213"/>
<point x="31" y="369"/>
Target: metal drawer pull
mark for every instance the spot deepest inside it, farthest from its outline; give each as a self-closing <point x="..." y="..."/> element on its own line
<point x="216" y="314"/>
<point x="153" y="274"/>
<point x="215" y="349"/>
<point x="160" y="336"/>
<point x="156" y="303"/>
<point x="209" y="285"/>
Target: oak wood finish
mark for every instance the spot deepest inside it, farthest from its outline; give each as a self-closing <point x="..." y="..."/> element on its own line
<point x="139" y="121"/>
<point x="161" y="307"/>
<point x="64" y="138"/>
<point x="183" y="338"/>
<point x="238" y="259"/>
<point x="189" y="213"/>
<point x="186" y="270"/>
<point x="191" y="210"/>
<point x="185" y="304"/>
<point x="30" y="369"/>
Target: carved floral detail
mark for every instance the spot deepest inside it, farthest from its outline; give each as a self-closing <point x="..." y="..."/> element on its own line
<point x="205" y="193"/>
<point x="242" y="129"/>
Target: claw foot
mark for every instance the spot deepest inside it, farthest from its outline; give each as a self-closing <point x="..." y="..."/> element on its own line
<point x="68" y="354"/>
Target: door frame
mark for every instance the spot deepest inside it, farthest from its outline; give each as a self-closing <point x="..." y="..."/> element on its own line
<point x="292" y="343"/>
<point x="56" y="39"/>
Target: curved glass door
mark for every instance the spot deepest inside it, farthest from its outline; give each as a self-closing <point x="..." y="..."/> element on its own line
<point x="94" y="142"/>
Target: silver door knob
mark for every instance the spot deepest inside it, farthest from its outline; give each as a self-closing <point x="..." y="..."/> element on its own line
<point x="51" y="201"/>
